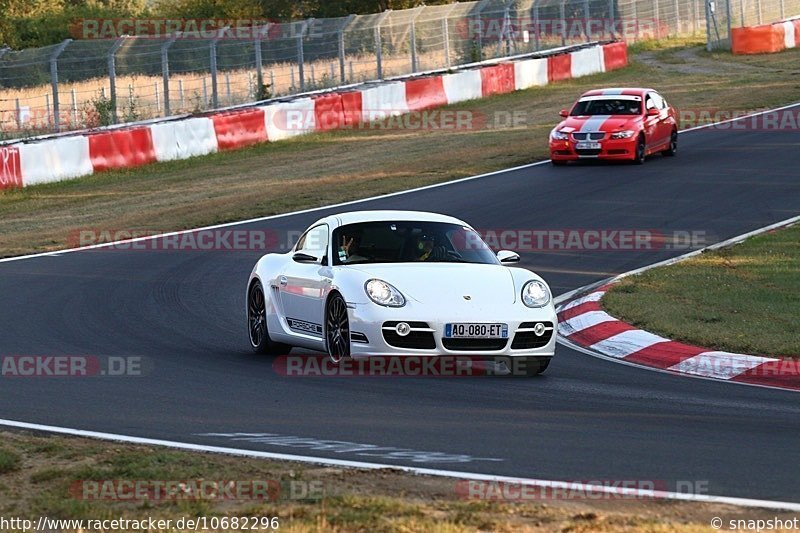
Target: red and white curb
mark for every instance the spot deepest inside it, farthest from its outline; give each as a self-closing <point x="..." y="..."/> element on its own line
<point x="584" y="325"/>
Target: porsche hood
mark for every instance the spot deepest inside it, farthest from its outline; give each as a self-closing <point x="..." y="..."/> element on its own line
<point x="447" y="283"/>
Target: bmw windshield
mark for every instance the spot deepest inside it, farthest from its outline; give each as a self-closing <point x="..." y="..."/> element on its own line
<point x="607" y="106"/>
<point x="409" y="242"/>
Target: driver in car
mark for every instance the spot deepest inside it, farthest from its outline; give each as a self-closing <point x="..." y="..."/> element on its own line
<point x="348" y="251"/>
<point x="428" y="251"/>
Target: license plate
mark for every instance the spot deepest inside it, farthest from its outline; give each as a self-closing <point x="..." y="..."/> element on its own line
<point x="476" y="331"/>
<point x="588" y="146"/>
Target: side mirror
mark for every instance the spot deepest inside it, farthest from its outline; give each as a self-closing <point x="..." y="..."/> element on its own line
<point x="507" y="256"/>
<point x="563" y="113"/>
<point x="300" y="257"/>
<point x="653" y="112"/>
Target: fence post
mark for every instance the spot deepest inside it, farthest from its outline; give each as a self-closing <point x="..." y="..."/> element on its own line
<point x="677" y="19"/>
<point x="446" y="33"/>
<point x="657" y="20"/>
<point x="611" y="19"/>
<point x="19" y="112"/>
<point x="783" y="10"/>
<point x="741" y="11"/>
<point x="342" y="65"/>
<point x="636" y="21"/>
<point x="413" y="38"/>
<point x="760" y="17"/>
<point x="258" y="59"/>
<point x="212" y="46"/>
<point x="54" y="81"/>
<point x="165" y="69"/>
<point x="112" y="76"/>
<point x="536" y="23"/>
<point x="300" y="58"/>
<point x="379" y="44"/>
<point x="562" y="14"/>
<point x="74" y="107"/>
<point x="586" y="20"/>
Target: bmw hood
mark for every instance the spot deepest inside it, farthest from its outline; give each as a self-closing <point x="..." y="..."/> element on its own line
<point x="597" y="123"/>
<point x="448" y="283"/>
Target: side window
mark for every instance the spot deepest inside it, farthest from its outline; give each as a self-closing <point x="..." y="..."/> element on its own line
<point x="649" y="103"/>
<point x="314" y="241"/>
<point x="659" y="102"/>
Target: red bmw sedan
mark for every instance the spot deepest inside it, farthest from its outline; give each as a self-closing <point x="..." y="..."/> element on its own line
<point x="615" y="124"/>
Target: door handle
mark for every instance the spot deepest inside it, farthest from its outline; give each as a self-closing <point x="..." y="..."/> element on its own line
<point x="283" y="281"/>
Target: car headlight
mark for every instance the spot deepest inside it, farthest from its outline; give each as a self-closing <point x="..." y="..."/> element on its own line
<point x="559" y="135"/>
<point x="627" y="134"/>
<point x="535" y="294"/>
<point x="383" y="293"/>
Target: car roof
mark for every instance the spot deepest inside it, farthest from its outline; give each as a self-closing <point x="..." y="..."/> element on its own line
<point x="352" y="217"/>
<point x="632" y="91"/>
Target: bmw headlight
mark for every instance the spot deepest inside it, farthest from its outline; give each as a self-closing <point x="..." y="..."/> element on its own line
<point x="627" y="134"/>
<point x="383" y="293"/>
<point x="535" y="294"/>
<point x="559" y="135"/>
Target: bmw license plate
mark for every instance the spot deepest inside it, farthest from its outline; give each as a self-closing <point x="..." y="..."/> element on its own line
<point x="476" y="331"/>
<point x="588" y="146"/>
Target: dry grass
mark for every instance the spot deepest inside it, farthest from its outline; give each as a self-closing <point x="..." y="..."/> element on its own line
<point x="352" y="500"/>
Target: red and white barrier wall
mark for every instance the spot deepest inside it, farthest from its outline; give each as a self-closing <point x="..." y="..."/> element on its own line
<point x="62" y="158"/>
<point x="766" y="38"/>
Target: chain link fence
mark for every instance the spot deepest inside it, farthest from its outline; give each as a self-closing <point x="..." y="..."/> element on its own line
<point x="722" y="15"/>
<point x="88" y="83"/>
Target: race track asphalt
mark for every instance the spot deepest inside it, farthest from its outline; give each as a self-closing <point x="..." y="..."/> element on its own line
<point x="585" y="419"/>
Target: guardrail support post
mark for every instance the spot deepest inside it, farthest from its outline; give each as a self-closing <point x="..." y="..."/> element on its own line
<point x="112" y="77"/>
<point x="54" y="81"/>
<point x="165" y="70"/>
<point x="342" y="51"/>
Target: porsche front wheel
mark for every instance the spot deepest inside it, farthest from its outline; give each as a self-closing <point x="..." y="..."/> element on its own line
<point x="337" y="328"/>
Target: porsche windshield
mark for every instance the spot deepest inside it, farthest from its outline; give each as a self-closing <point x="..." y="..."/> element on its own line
<point x="409" y="242"/>
<point x="607" y="106"/>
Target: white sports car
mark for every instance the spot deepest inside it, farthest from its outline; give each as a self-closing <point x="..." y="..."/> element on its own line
<point x="395" y="283"/>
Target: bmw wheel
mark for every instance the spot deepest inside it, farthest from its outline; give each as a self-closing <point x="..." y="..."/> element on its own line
<point x="337" y="328"/>
<point x="673" y="145"/>
<point x="640" y="151"/>
<point x="257" y="323"/>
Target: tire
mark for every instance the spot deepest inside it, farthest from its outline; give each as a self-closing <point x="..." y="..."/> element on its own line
<point x="641" y="150"/>
<point x="673" y="145"/>
<point x="260" y="341"/>
<point x="337" y="328"/>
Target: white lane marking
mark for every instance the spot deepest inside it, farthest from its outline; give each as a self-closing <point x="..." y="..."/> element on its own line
<point x="356" y="448"/>
<point x="352" y="202"/>
<point x="625" y="343"/>
<point x="605" y="489"/>
<point x="592" y="297"/>
<point x="720" y="365"/>
<point x="586" y="320"/>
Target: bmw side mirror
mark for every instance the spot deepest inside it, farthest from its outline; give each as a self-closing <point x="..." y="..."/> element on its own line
<point x="507" y="256"/>
<point x="563" y="113"/>
<point x="300" y="257"/>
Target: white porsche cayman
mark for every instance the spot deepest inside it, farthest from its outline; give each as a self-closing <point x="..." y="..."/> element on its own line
<point x="394" y="283"/>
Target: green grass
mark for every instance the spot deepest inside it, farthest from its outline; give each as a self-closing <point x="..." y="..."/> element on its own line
<point x="9" y="461"/>
<point x="744" y="299"/>
<point x="320" y="169"/>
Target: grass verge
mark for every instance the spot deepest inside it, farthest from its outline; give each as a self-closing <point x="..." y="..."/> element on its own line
<point x="51" y="467"/>
<point x="743" y="299"/>
<point x="325" y="168"/>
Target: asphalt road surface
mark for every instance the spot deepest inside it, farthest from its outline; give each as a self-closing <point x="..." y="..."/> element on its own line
<point x="585" y="419"/>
